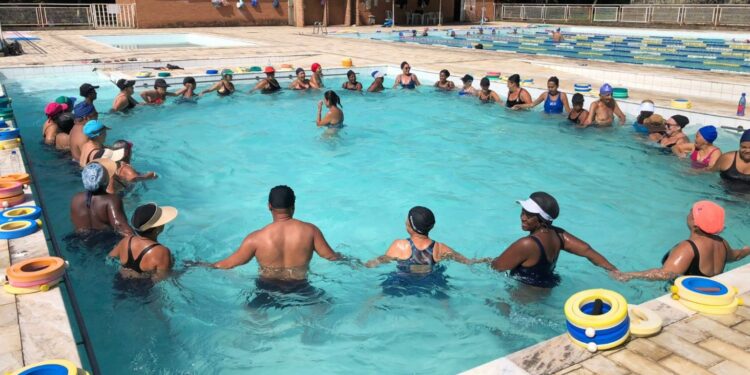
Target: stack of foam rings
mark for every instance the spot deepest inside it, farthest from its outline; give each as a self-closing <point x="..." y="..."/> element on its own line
<point x="706" y="295"/>
<point x="143" y="74"/>
<point x="34" y="275"/>
<point x="582" y="87"/>
<point x="164" y="74"/>
<point x="493" y="75"/>
<point x="11" y="193"/>
<point x="6" y="114"/>
<point x="286" y="66"/>
<point x="255" y="69"/>
<point x="620" y="93"/>
<point x="681" y="104"/>
<point x="212" y="71"/>
<point x="9" y="136"/>
<point x="241" y="69"/>
<point x="22" y="178"/>
<point x="597" y="319"/>
<point x="52" y="367"/>
<point x="347" y="62"/>
<point x="527" y="81"/>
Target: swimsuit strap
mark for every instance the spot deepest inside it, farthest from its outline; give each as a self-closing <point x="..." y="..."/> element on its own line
<point x="88" y="157"/>
<point x="542" y="254"/>
<point x="130" y="260"/>
<point x="694" y="268"/>
<point x="144" y="252"/>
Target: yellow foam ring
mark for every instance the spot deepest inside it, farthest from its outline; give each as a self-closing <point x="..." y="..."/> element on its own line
<point x="39" y="288"/>
<point x="712" y="310"/>
<point x="644" y="322"/>
<point x="18" y="212"/>
<point x="69" y="366"/>
<point x="143" y="74"/>
<point x="616" y="314"/>
<point x="704" y="299"/>
<point x="13" y="226"/>
<point x="601" y="347"/>
<point x="681" y="104"/>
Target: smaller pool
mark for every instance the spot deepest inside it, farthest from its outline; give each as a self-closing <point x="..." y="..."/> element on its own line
<point x="146" y="41"/>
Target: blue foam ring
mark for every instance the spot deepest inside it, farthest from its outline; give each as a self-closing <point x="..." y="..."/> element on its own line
<point x="23" y="232"/>
<point x="602" y="336"/>
<point x="47" y="369"/>
<point x="35" y="214"/>
<point x="9" y="133"/>
<point x="692" y="283"/>
<point x="212" y="71"/>
<point x="582" y="85"/>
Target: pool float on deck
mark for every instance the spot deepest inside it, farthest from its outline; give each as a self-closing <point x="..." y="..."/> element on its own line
<point x="643" y="322"/>
<point x="12" y="201"/>
<point x="7" y="114"/>
<point x="143" y="74"/>
<point x="705" y="295"/>
<point x="527" y="81"/>
<point x="582" y="87"/>
<point x="681" y="104"/>
<point x="164" y="74"/>
<point x="22" y="178"/>
<point x="212" y="71"/>
<point x="255" y="69"/>
<point x="620" y="93"/>
<point x="9" y="133"/>
<point x="493" y="75"/>
<point x="347" y="62"/>
<point x="240" y="69"/>
<point x="597" y="319"/>
<point x="10" y="143"/>
<point x="287" y="66"/>
<point x="51" y="367"/>
<point x="21" y="213"/>
<point x="10" y="189"/>
<point x="34" y="275"/>
<point x="11" y="230"/>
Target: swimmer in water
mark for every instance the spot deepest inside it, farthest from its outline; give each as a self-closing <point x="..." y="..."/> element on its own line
<point x="646" y="110"/>
<point x="406" y="79"/>
<point x="51" y="128"/>
<point x="577" y="114"/>
<point x="158" y="95"/>
<point x="554" y="101"/>
<point x="486" y="95"/>
<point x="301" y="82"/>
<point x="141" y="253"/>
<point x="96" y="133"/>
<point x="734" y="166"/>
<point x="377" y="84"/>
<point x="224" y="87"/>
<point x="418" y="258"/>
<point x="95" y="209"/>
<point x="443" y="84"/>
<point x="124" y="99"/>
<point x="334" y="119"/>
<point x="188" y="89"/>
<point x="703" y="153"/>
<point x="557" y="36"/>
<point x="268" y="85"/>
<point x="351" y="83"/>
<point x="532" y="259"/>
<point x="317" y="76"/>
<point x="704" y="253"/>
<point x="283" y="248"/>
<point x="467" y="88"/>
<point x="603" y="111"/>
<point x="522" y="96"/>
<point x="672" y="134"/>
<point x="82" y="114"/>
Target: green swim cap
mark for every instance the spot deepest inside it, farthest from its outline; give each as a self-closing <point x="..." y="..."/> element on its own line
<point x="226" y="72"/>
<point x="62" y="99"/>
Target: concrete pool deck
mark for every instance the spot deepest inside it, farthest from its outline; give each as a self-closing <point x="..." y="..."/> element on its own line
<point x="691" y="343"/>
<point x="710" y="92"/>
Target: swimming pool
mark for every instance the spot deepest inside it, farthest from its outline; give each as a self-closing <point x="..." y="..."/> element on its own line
<point x="148" y="41"/>
<point x="707" y="54"/>
<point x="218" y="158"/>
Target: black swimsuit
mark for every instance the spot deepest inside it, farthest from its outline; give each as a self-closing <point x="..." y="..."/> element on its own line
<point x="574" y="120"/>
<point x="694" y="268"/>
<point x="273" y="86"/>
<point x="224" y="90"/>
<point x="542" y="274"/>
<point x="734" y="175"/>
<point x="485" y="99"/>
<point x="510" y="103"/>
<point x="135" y="264"/>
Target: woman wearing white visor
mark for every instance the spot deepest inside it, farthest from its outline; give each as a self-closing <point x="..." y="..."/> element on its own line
<point x="532" y="259"/>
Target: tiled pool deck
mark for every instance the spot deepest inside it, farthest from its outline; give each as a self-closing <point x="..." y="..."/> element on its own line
<point x="36" y="327"/>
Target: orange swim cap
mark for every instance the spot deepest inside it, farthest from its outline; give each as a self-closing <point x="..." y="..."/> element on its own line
<point x="708" y="216"/>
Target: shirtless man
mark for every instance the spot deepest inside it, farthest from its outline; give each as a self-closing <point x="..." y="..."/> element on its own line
<point x="283" y="249"/>
<point x="557" y="36"/>
<point x="82" y="113"/>
<point x="604" y="110"/>
<point x="95" y="209"/>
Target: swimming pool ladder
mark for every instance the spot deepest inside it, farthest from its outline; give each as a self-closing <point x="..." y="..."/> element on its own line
<point x="320" y="28"/>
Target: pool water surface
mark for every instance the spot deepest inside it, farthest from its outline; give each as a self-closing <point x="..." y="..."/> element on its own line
<point x="218" y="158"/>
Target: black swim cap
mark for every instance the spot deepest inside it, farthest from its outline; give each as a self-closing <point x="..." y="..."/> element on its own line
<point x="681" y="120"/>
<point x="547" y="202"/>
<point x="421" y="219"/>
<point x="484" y="82"/>
<point x="298" y="71"/>
<point x="189" y="80"/>
<point x="281" y="197"/>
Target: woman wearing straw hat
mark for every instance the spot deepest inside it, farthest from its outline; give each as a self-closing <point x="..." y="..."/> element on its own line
<point x="142" y="252"/>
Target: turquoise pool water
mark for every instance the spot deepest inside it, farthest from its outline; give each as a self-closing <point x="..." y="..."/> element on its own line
<point x="218" y="158"/>
<point x="708" y="54"/>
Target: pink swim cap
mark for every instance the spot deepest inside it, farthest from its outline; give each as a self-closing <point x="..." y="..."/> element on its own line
<point x="708" y="216"/>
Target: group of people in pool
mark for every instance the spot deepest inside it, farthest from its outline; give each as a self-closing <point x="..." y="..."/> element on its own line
<point x="284" y="247"/>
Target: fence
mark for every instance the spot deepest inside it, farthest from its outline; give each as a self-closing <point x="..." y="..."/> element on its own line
<point x="712" y="15"/>
<point x="98" y="16"/>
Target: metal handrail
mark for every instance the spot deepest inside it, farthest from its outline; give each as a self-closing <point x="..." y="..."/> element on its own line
<point x="86" y="339"/>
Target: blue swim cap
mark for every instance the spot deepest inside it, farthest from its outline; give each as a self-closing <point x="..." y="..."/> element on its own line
<point x="709" y="133"/>
<point x="94" y="177"/>
<point x="606" y="89"/>
<point x="745" y="136"/>
<point x="93" y="128"/>
<point x="83" y="109"/>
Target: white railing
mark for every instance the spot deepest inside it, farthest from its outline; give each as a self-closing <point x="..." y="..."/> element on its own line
<point x="716" y="15"/>
<point x="98" y="16"/>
